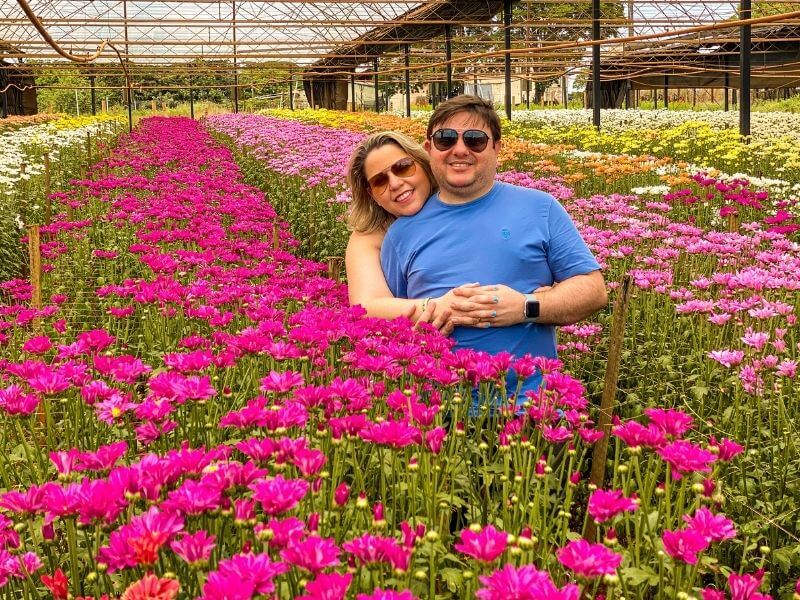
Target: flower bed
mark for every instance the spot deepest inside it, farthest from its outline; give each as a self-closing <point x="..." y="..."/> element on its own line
<point x="210" y="419"/>
<point x="712" y="326"/>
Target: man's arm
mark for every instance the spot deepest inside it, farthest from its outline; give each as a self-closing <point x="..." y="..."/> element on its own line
<point x="571" y="300"/>
<point x="566" y="302"/>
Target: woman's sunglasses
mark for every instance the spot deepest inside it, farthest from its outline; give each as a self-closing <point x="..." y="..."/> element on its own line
<point x="403" y="168"/>
<point x="474" y="139"/>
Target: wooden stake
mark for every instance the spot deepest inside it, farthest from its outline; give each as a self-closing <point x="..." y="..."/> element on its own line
<point x="276" y="236"/>
<point x="35" y="262"/>
<point x="334" y="267"/>
<point x="48" y="208"/>
<point x="608" y="399"/>
<point x="88" y="148"/>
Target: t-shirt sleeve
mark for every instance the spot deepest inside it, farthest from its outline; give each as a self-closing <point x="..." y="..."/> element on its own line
<point x="568" y="255"/>
<point x="392" y="269"/>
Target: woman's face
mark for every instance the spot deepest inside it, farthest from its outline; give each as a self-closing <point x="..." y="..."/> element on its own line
<point x="402" y="196"/>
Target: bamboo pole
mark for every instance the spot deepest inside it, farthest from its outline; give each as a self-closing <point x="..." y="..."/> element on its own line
<point x="35" y="263"/>
<point x="608" y="400"/>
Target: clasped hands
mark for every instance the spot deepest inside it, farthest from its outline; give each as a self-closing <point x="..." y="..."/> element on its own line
<point x="474" y="305"/>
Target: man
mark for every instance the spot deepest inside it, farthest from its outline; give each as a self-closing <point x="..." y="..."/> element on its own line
<point x="479" y="230"/>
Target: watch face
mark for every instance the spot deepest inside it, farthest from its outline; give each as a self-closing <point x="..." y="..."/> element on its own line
<point x="531" y="309"/>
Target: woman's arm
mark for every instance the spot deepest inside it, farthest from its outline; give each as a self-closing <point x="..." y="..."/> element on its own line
<point x="366" y="283"/>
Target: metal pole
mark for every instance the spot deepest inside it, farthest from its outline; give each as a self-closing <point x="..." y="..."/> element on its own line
<point x="528" y="93"/>
<point x="564" y="95"/>
<point x="129" y="91"/>
<point x="507" y="28"/>
<point x="235" y="63"/>
<point x="744" y="69"/>
<point x="3" y="84"/>
<point x="291" y="92"/>
<point x="448" y="55"/>
<point x="94" y="95"/>
<point x="666" y="91"/>
<point x="727" y="85"/>
<point x="407" y="57"/>
<point x="130" y="108"/>
<point x="596" y="97"/>
<point x="191" y="96"/>
<point x="377" y="91"/>
<point x="353" y="88"/>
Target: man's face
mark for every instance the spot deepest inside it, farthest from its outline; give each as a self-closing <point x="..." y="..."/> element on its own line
<point x="463" y="174"/>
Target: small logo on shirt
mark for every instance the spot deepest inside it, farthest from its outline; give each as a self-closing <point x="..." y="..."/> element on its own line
<point x="506" y="233"/>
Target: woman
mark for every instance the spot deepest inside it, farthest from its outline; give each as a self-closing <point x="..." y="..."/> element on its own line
<point x="389" y="175"/>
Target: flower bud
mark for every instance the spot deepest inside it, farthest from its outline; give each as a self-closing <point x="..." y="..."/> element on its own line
<point x="432" y="536"/>
<point x="420" y="575"/>
<point x="361" y="501"/>
<point x="468" y="575"/>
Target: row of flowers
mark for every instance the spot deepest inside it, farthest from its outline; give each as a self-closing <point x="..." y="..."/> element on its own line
<point x="215" y="421"/>
<point x="713" y="255"/>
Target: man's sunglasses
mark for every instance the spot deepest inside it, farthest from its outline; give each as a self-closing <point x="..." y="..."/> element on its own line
<point x="403" y="168"/>
<point x="474" y="139"/>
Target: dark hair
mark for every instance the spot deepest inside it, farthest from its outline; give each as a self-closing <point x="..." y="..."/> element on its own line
<point x="474" y="105"/>
<point x="365" y="214"/>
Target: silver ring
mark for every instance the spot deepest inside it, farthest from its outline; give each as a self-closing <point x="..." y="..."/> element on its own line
<point x="494" y="314"/>
<point x="495" y="299"/>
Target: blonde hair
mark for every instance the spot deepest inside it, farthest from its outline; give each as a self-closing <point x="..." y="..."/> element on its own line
<point x="365" y="214"/>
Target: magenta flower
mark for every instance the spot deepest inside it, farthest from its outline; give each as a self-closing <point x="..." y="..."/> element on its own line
<point x="280" y="532"/>
<point x="342" y="494"/>
<point x="370" y="549"/>
<point x="48" y="382"/>
<point x="380" y="594"/>
<point x="38" y="344"/>
<point x="715" y="528"/>
<point x="607" y="504"/>
<point x="312" y="554"/>
<point x="278" y="495"/>
<point x="588" y="560"/>
<point x="14" y="401"/>
<point x="684" y="457"/>
<point x="672" y="422"/>
<point x="684" y="544"/>
<point x="219" y="586"/>
<point x="328" y="586"/>
<point x="257" y="569"/>
<point x="397" y="434"/>
<point x="712" y="594"/>
<point x="636" y="435"/>
<point x="194" y="548"/>
<point x="523" y="583"/>
<point x="728" y="449"/>
<point x="745" y="587"/>
<point x="484" y="546"/>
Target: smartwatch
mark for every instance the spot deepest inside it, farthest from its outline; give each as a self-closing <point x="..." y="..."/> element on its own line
<point x="531" y="309"/>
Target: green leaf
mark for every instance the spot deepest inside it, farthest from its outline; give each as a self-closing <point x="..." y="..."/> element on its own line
<point x="636" y="576"/>
<point x="453" y="578"/>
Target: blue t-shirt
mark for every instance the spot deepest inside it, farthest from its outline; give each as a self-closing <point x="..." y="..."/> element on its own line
<point x="516" y="236"/>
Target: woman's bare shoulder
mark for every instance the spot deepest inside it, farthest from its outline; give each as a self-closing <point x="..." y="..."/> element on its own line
<point x="363" y="241"/>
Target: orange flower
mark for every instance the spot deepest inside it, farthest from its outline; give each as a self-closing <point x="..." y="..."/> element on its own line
<point x="150" y="587"/>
